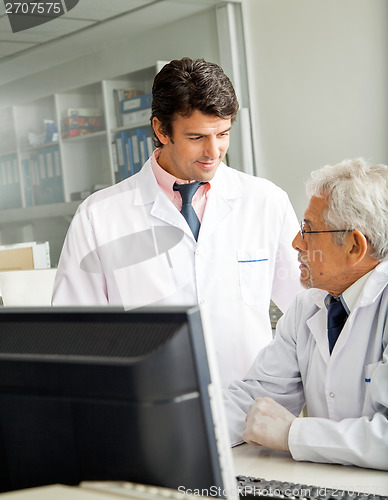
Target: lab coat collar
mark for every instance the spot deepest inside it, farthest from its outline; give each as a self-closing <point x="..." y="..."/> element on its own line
<point x="224" y="184"/>
<point x="225" y="189"/>
<point x="373" y="287"/>
<point x="148" y="188"/>
<point x="375" y="284"/>
<point x="317" y="323"/>
<point x="147" y="192"/>
<point x="318" y="327"/>
<point x="165" y="210"/>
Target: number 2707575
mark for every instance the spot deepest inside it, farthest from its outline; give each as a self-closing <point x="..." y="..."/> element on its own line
<point x="46" y="8"/>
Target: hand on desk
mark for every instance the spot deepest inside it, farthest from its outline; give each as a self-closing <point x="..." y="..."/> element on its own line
<point x="268" y="424"/>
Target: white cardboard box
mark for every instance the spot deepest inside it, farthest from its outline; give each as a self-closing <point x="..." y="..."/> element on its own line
<point x="29" y="255"/>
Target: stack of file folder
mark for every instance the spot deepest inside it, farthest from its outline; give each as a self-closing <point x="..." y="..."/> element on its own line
<point x="131" y="149"/>
<point x="43" y="182"/>
<point x="10" y="192"/>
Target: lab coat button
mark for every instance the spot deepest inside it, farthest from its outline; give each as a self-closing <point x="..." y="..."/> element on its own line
<point x="202" y="301"/>
<point x="332" y="395"/>
<point x="197" y="252"/>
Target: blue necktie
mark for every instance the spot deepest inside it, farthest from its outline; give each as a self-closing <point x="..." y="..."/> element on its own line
<point x="187" y="192"/>
<point x="336" y="317"/>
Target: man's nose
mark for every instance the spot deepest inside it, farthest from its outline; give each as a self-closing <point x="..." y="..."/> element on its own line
<point x="212" y="148"/>
<point x="298" y="242"/>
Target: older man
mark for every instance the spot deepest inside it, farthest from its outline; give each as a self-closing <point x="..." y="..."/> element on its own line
<point x="330" y="350"/>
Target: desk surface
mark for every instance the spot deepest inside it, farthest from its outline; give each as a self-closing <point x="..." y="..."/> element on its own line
<point x="251" y="460"/>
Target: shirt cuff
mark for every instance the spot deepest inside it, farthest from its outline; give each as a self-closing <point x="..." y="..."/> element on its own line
<point x="293" y="438"/>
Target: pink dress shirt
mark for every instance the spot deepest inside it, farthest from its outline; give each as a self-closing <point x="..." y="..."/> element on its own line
<point x="166" y="182"/>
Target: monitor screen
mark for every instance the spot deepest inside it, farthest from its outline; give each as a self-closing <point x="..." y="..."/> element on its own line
<point x="105" y="394"/>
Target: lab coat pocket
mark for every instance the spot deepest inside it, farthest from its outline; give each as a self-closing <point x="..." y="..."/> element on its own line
<point x="253" y="267"/>
<point x="369" y="371"/>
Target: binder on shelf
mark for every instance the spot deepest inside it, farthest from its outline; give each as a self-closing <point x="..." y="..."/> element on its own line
<point x="121" y="156"/>
<point x="141" y="132"/>
<point x="137" y="164"/>
<point x="43" y="177"/>
<point x="44" y="183"/>
<point x="116" y="100"/>
<point x="150" y="143"/>
<point x="118" y="96"/>
<point x="136" y="117"/>
<point x="10" y="191"/>
<point x="136" y="103"/>
<point x="145" y="142"/>
<point x="115" y="160"/>
<point x="58" y="194"/>
<point x="130" y="150"/>
<point x="128" y="93"/>
<point x="136" y="110"/>
<point x="51" y="187"/>
<point x="129" y="154"/>
<point x="35" y="181"/>
<point x="27" y="176"/>
<point x="142" y="147"/>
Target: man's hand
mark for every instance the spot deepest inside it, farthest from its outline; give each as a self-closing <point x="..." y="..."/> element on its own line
<point x="268" y="424"/>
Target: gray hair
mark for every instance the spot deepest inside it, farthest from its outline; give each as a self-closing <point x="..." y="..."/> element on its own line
<point x="357" y="195"/>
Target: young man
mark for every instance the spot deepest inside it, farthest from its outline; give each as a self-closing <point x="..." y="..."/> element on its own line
<point x="343" y="380"/>
<point x="137" y="244"/>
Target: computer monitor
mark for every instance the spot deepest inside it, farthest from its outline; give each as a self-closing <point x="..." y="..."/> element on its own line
<point x="105" y="394"/>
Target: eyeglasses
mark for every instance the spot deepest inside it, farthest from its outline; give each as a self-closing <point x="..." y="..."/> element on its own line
<point x="309" y="231"/>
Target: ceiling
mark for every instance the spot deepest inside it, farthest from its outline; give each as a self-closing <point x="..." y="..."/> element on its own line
<point x="90" y="24"/>
<point x="85" y="14"/>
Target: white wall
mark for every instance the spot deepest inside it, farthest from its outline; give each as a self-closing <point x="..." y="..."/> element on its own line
<point x="318" y="73"/>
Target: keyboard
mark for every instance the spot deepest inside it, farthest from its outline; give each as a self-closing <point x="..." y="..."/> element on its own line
<point x="250" y="487"/>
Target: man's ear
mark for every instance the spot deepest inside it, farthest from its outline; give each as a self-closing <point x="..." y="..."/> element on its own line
<point x="357" y="246"/>
<point x="158" y="129"/>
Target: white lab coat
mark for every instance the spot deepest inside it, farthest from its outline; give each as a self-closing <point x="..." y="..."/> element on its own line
<point x="129" y="245"/>
<point x="346" y="393"/>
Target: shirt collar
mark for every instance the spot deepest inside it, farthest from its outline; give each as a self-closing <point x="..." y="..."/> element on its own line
<point x="164" y="178"/>
<point x="351" y="295"/>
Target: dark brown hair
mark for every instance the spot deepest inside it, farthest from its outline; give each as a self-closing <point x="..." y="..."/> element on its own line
<point x="185" y="85"/>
